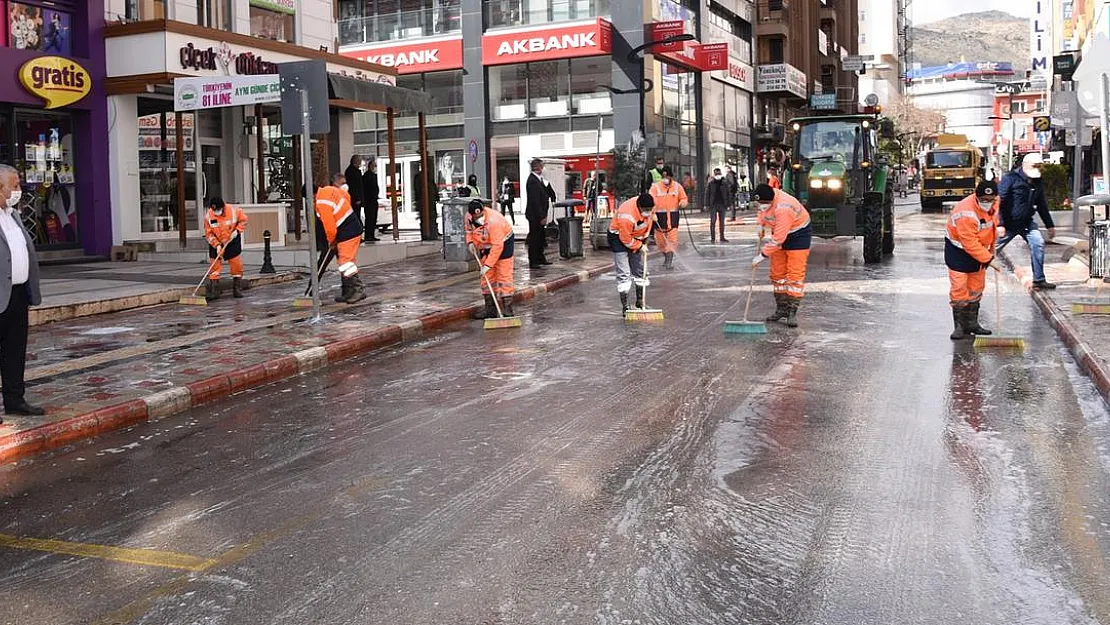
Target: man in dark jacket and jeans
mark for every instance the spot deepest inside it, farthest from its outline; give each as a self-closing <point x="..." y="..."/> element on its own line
<point x="717" y="199"/>
<point x="1022" y="198"/>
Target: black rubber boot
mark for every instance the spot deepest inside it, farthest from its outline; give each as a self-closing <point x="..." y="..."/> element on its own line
<point x="237" y="287"/>
<point x="490" y="311"/>
<point x="792" y="304"/>
<point x="356" y="294"/>
<point x="507" y="307"/>
<point x="973" y="326"/>
<point x="640" y="297"/>
<point x="344" y="290"/>
<point x="624" y="302"/>
<point x="212" y="290"/>
<point x="959" y="333"/>
<point x="669" y="262"/>
<point x="780" y="309"/>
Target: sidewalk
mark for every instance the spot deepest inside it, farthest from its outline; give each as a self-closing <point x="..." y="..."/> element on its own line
<point x="97" y="374"/>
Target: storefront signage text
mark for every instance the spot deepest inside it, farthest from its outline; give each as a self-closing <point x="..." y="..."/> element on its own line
<point x="781" y="77"/>
<point x="563" y="42"/>
<point x="211" y="59"/>
<point x="57" y="80"/>
<point x="415" y="58"/>
<point x="738" y="73"/>
<point x="659" y="31"/>
<point x="190" y="94"/>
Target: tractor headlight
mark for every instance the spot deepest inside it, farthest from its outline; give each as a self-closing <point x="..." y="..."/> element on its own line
<point x="835" y="183"/>
<point x="816" y="183"/>
<point x="866" y="124"/>
<point x="865" y="164"/>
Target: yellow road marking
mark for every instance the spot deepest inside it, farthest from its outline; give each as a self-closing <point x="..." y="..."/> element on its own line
<point x="145" y="557"/>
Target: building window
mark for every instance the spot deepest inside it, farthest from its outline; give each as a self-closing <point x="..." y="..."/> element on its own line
<point x="391" y="20"/>
<point x="508" y="90"/>
<point x="776" y="50"/>
<point x="215" y="14"/>
<point x="37" y="28"/>
<point x="862" y="16"/>
<point x="521" y="12"/>
<point x="158" y="167"/>
<point x="588" y="79"/>
<point x="145" y="10"/>
<point x="446" y="91"/>
<point x="271" y="20"/>
<point x="549" y="89"/>
<point x="43" y="154"/>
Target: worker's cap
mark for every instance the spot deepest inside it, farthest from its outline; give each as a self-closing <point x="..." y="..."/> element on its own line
<point x="764" y="193"/>
<point x="987" y="190"/>
<point x="216" y="202"/>
<point x="666" y="171"/>
<point x="1032" y="159"/>
<point x="475" y="206"/>
<point x="535" y="161"/>
<point x="645" y="201"/>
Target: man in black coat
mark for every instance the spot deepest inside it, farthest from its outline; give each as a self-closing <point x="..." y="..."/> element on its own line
<point x="370" y="195"/>
<point x="1021" y="195"/>
<point x="353" y="174"/>
<point x="540" y="196"/>
<point x="717" y="199"/>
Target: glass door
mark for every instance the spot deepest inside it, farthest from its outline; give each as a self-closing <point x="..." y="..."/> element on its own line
<point x="407" y="168"/>
<point x="211" y="183"/>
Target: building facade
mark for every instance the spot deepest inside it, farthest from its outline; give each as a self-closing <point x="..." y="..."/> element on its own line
<point x="1013" y="126"/>
<point x="964" y="93"/>
<point x="878" y="37"/>
<point x="237" y="152"/>
<point x="517" y="79"/>
<point x="53" y="117"/>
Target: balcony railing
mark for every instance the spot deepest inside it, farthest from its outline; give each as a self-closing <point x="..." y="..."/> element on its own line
<point x="530" y="12"/>
<point x="397" y="26"/>
<point x="773" y="11"/>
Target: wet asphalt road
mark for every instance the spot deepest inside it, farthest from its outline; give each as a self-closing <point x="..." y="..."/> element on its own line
<point x="581" y="471"/>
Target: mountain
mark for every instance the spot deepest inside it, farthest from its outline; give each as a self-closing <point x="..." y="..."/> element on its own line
<point x="983" y="36"/>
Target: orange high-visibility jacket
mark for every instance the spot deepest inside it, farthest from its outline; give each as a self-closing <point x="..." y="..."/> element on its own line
<point x="668" y="199"/>
<point x="333" y="207"/>
<point x="969" y="240"/>
<point x="788" y="222"/>
<point x="493" y="237"/>
<point x="629" y="226"/>
<point x="221" y="229"/>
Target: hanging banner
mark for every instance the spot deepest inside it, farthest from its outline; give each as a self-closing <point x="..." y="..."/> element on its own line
<point x="191" y="94"/>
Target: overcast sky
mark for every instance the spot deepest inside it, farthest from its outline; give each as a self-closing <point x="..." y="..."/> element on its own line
<point x="925" y="11"/>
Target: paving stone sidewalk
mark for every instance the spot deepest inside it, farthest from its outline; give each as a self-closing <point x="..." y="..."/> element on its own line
<point x="97" y="373"/>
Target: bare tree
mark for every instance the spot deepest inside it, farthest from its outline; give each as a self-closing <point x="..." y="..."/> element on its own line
<point x="917" y="127"/>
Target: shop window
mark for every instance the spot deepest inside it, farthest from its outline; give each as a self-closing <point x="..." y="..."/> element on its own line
<point x="158" y="211"/>
<point x="44" y="156"/>
<point x="549" y="89"/>
<point x="146" y="10"/>
<point x="519" y="12"/>
<point x="269" y="20"/>
<point x="36" y="28"/>
<point x="446" y="91"/>
<point x="278" y="158"/>
<point x="508" y="90"/>
<point x="215" y="14"/>
<point x="588" y="79"/>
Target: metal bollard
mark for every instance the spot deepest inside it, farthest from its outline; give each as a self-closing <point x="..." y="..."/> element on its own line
<point x="267" y="259"/>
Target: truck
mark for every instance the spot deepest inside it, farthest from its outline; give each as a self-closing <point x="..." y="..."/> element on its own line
<point x="950" y="172"/>
<point x="837" y="172"/>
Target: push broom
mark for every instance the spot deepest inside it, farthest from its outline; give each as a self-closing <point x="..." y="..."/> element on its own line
<point x="645" y="313"/>
<point x="200" y="300"/>
<point x="1092" y="307"/>
<point x="999" y="340"/>
<point x="501" y="322"/>
<point x="745" y="326"/>
<point x="305" y="301"/>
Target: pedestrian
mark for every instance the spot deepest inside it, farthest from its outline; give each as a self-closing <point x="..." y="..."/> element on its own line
<point x="19" y="290"/>
<point x="223" y="228"/>
<point x="370" y="195"/>
<point x="490" y="236"/>
<point x="669" y="198"/>
<point x="1021" y="196"/>
<point x="471" y="188"/>
<point x="716" y="198"/>
<point x="540" y="196"/>
<point x="787" y="247"/>
<point x="342" y="229"/>
<point x="628" y="233"/>
<point x="690" y="185"/>
<point x="743" y="193"/>
<point x="655" y="174"/>
<point x="354" y="174"/>
<point x="733" y="188"/>
<point x="506" y="197"/>
<point x="969" y="249"/>
<point x="773" y="179"/>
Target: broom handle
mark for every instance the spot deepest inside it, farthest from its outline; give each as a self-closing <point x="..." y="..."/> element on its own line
<point x="490" y="287"/>
<point x="324" y="262"/>
<point x="997" y="303"/>
<point x="643" y="250"/>
<point x="751" y="287"/>
<point x="215" y="260"/>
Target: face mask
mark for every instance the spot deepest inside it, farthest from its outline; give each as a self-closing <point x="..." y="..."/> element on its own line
<point x="1032" y="172"/>
<point x="763" y="206"/>
<point x="718" y="176"/>
<point x="667" y="181"/>
<point x="479" y="221"/>
<point x="986" y="205"/>
<point x="13" y="199"/>
<point x="218" y="211"/>
<point x="344" y="187"/>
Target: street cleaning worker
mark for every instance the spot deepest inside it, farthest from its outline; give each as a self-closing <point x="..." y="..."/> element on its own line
<point x="342" y="232"/>
<point x="787" y="247"/>
<point x="628" y="233"/>
<point x="490" y="236"/>
<point x="223" y="227"/>
<point x="968" y="251"/>
<point x="669" y="198"/>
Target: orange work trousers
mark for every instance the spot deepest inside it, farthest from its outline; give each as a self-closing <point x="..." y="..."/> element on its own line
<point x="347" y="255"/>
<point x="667" y="240"/>
<point x="501" y="277"/>
<point x="235" y="264"/>
<point x="788" y="272"/>
<point x="966" y="288"/>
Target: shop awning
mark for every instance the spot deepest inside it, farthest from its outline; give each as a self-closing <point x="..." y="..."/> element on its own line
<point x="376" y="96"/>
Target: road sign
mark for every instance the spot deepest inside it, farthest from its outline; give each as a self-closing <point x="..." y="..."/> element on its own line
<point x="861" y="58"/>
<point x="312" y="78"/>
<point x="1065" y="109"/>
<point x="851" y="66"/>
<point x="1042" y="123"/>
<point x="823" y="102"/>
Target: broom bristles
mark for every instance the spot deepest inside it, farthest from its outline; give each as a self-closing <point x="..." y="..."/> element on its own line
<point x="302" y="302"/>
<point x="744" y="327"/>
<point x="1080" y="308"/>
<point x="193" y="300"/>
<point x="502" y="323"/>
<point x="1014" y="342"/>
<point x="643" y="315"/>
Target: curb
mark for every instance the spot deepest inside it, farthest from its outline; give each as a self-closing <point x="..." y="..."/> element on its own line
<point x="182" y="398"/>
<point x="1080" y="350"/>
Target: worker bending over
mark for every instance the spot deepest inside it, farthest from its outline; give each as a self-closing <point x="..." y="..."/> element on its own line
<point x="223" y="228"/>
<point x="490" y="236"/>
<point x="342" y="233"/>
<point x="628" y="233"/>
<point x="969" y="248"/>
<point x="787" y="221"/>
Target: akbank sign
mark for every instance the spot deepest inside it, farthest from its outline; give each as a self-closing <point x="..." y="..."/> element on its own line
<point x="591" y="38"/>
<point x="426" y="56"/>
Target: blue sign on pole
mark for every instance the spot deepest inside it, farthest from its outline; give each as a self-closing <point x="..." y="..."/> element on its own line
<point x="823" y="102"/>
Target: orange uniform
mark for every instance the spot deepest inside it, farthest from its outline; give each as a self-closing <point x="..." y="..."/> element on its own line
<point x="788" y="244"/>
<point x="225" y="230"/>
<point x="342" y="228"/>
<point x="668" y="200"/>
<point x="969" y="248"/>
<point x="774" y="181"/>
<point x="496" y="244"/>
<point x="628" y="232"/>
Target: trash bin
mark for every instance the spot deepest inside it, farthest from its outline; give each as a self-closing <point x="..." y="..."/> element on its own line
<point x="570" y="237"/>
<point x="599" y="232"/>
<point x="1098" y="234"/>
<point x="454" y="234"/>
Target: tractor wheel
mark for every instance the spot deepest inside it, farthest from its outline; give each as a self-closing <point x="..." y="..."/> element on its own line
<point x="888" y="222"/>
<point x="873" y="236"/>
